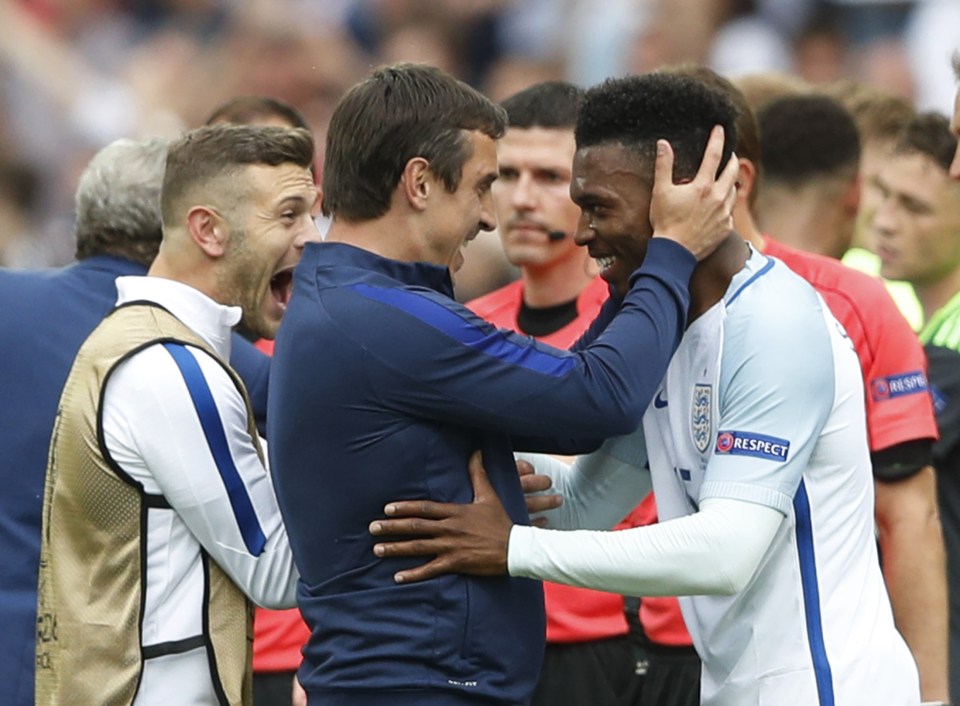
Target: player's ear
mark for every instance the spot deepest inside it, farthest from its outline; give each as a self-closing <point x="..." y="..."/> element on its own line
<point x="746" y="178"/>
<point x="208" y="230"/>
<point x="416" y="183"/>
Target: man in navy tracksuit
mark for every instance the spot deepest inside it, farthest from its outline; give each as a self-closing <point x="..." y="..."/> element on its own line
<point x="44" y="318"/>
<point x="383" y="386"/>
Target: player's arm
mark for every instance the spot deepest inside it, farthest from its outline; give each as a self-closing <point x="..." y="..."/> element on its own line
<point x="902" y="430"/>
<point x="253" y="367"/>
<point x="507" y="383"/>
<point x="178" y="426"/>
<point x="502" y="381"/>
<point x="715" y="551"/>
<point x="918" y="592"/>
<point x="914" y="560"/>
<point x="598" y="489"/>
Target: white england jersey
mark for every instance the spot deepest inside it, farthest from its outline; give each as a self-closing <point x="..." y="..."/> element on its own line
<point x="763" y="402"/>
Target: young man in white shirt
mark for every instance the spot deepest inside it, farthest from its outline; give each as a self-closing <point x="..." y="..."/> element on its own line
<point x="160" y="521"/>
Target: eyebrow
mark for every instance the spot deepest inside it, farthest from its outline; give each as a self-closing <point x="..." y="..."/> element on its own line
<point x="588" y="198"/>
<point x="292" y="199"/>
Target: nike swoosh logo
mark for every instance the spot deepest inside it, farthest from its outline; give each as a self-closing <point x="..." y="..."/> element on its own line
<point x="658" y="401"/>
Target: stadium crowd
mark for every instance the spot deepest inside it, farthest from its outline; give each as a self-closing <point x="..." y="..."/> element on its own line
<point x="690" y="226"/>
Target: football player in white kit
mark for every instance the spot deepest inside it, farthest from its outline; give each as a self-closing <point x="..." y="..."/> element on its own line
<point x="756" y="444"/>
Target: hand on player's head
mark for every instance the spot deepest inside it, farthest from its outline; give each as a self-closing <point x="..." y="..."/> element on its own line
<point x="698" y="214"/>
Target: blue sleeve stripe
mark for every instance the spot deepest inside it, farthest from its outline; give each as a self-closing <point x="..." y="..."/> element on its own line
<point x="811" y="597"/>
<point x="760" y="273"/>
<point x="243" y="510"/>
<point x="489" y="342"/>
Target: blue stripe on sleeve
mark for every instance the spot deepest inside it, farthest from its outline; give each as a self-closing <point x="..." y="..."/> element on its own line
<point x="811" y="597"/>
<point x="491" y="343"/>
<point x="243" y="510"/>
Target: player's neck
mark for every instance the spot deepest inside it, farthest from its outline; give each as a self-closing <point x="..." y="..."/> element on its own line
<point x="745" y="225"/>
<point x="803" y="219"/>
<point x="712" y="277"/>
<point x="558" y="283"/>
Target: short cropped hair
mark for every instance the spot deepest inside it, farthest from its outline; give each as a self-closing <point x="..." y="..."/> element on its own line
<point x="118" y="201"/>
<point x="551" y="105"/>
<point x="880" y="115"/>
<point x="250" y="110"/>
<point x="761" y="89"/>
<point x="207" y="155"/>
<point x="929" y="134"/>
<point x="399" y="113"/>
<point x="808" y="137"/>
<point x="636" y="111"/>
<point x="748" y="134"/>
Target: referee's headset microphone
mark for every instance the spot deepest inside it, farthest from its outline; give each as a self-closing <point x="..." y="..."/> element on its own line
<point x="555" y="235"/>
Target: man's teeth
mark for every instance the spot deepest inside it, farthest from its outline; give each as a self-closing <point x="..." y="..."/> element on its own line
<point x="606" y="261"/>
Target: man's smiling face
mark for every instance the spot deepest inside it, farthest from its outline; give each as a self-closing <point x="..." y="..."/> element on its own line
<point x="613" y="187"/>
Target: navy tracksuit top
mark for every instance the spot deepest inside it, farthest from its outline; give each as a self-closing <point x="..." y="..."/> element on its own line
<point x="382" y="386"/>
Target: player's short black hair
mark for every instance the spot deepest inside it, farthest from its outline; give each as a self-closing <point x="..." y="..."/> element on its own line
<point x="747" y="144"/>
<point x="636" y="111"/>
<point x="550" y="104"/>
<point x="806" y="137"/>
<point x="929" y="134"/>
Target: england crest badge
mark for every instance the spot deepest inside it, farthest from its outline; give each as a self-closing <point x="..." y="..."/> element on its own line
<point x="700" y="423"/>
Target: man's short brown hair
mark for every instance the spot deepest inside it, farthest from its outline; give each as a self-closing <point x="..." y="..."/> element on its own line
<point x="400" y="112"/>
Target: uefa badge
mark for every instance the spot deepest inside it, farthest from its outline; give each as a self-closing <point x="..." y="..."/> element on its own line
<point x="700" y="416"/>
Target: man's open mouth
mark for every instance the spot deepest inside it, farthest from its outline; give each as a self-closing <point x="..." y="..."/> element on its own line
<point x="281" y="286"/>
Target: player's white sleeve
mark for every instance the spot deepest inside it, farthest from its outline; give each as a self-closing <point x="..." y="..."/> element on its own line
<point x="714" y="551"/>
<point x="598" y="489"/>
<point x="204" y="463"/>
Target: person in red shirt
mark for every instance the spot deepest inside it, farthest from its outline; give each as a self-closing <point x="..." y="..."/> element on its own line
<point x="901" y="427"/>
<point x="589" y="658"/>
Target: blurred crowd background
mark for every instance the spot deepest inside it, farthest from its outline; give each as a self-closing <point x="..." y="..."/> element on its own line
<point x="76" y="74"/>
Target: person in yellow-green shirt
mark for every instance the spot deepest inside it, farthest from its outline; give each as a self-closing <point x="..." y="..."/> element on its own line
<point x="917" y="232"/>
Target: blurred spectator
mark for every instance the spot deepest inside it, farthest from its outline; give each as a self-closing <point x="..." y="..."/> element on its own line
<point x="19" y="187"/>
<point x="76" y="74"/>
<point x="761" y="89"/>
<point x="931" y="36"/>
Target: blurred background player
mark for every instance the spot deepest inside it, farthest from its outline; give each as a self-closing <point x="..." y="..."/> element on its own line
<point x="809" y="150"/>
<point x="881" y="117"/>
<point x="917" y="235"/>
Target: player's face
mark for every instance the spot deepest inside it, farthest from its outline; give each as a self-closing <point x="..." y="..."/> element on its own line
<point x="266" y="242"/>
<point x="873" y="155"/>
<point x="532" y="195"/>
<point x="916" y="227"/>
<point x="457" y="218"/>
<point x="612" y="187"/>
